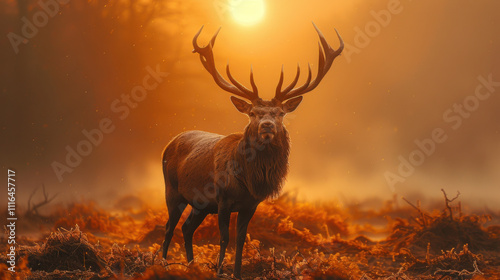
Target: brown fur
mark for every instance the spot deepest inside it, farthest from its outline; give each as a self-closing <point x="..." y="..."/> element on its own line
<point x="265" y="169"/>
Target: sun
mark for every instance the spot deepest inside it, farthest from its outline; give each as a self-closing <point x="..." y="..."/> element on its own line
<point x="247" y="12"/>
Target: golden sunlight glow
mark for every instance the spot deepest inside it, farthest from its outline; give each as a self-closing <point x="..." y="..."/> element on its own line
<point x="247" y="12"/>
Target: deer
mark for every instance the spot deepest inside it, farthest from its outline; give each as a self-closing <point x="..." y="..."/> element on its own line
<point x="218" y="174"/>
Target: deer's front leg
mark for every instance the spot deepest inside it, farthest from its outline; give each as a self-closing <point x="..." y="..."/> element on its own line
<point x="224" y="214"/>
<point x="244" y="218"/>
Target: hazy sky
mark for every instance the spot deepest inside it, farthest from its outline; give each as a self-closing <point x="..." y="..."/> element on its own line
<point x="411" y="71"/>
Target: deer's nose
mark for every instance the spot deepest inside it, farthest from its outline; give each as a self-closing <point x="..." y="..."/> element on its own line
<point x="267" y="125"/>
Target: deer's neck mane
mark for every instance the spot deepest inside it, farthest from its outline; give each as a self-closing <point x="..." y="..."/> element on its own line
<point x="265" y="165"/>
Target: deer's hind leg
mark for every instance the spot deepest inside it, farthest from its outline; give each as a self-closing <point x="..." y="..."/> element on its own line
<point x="194" y="220"/>
<point x="175" y="205"/>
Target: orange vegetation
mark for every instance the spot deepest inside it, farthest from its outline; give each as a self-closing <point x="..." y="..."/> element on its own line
<point x="287" y="238"/>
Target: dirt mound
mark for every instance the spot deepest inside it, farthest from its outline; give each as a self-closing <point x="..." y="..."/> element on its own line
<point x="443" y="231"/>
<point x="66" y="250"/>
<point x="443" y="234"/>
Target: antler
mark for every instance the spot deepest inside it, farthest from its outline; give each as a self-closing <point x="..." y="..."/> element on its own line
<point x="325" y="62"/>
<point x="207" y="59"/>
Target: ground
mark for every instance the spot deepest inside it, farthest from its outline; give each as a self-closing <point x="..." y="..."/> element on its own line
<point x="287" y="239"/>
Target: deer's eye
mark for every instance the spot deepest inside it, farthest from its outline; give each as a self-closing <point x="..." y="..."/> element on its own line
<point x="282" y="114"/>
<point x="251" y="114"/>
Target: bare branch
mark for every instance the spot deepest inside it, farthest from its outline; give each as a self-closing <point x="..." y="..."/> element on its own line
<point x="33" y="208"/>
<point x="423" y="215"/>
<point x="447" y="202"/>
<point x="31" y="196"/>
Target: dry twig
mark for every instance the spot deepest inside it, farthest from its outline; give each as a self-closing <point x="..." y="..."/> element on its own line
<point x="447" y="202"/>
<point x="460" y="275"/>
<point x="423" y="215"/>
<point x="33" y="208"/>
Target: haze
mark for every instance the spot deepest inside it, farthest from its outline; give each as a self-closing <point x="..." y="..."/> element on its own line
<point x="390" y="88"/>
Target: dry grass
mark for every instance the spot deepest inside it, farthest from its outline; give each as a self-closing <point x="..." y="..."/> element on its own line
<point x="287" y="240"/>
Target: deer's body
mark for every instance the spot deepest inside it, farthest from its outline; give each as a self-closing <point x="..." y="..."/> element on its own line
<point x="200" y="167"/>
<point x="234" y="173"/>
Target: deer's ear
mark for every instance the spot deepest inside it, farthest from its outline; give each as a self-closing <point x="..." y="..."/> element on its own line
<point x="241" y="105"/>
<point x="292" y="104"/>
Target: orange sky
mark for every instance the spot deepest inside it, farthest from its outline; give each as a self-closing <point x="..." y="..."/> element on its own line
<point x="346" y="135"/>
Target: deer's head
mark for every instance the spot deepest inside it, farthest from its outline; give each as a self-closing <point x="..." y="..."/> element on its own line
<point x="266" y="117"/>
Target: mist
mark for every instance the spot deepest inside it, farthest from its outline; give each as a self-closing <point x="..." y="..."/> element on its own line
<point x="416" y="90"/>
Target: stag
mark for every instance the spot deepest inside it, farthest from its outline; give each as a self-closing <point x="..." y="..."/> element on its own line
<point x="218" y="174"/>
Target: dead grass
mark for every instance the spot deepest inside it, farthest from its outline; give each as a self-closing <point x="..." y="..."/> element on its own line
<point x="287" y="239"/>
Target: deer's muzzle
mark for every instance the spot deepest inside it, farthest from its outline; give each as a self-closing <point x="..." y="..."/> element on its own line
<point x="267" y="131"/>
